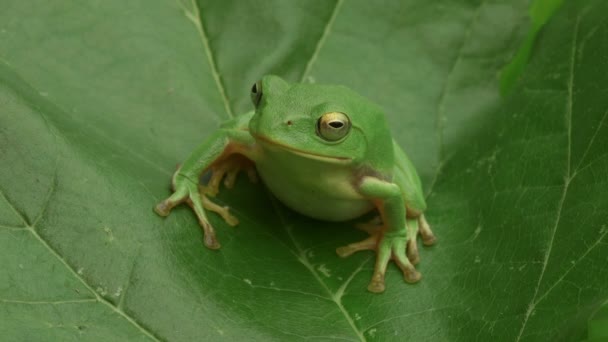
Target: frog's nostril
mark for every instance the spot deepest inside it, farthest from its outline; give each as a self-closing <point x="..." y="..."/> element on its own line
<point x="289" y="123"/>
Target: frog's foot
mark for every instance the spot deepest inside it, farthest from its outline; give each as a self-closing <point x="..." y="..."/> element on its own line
<point x="222" y="211"/>
<point x="227" y="169"/>
<point x="392" y="247"/>
<point x="187" y="191"/>
<point x="373" y="227"/>
<point x="387" y="248"/>
<point x="428" y="238"/>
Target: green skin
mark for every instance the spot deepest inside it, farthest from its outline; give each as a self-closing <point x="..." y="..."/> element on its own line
<point x="329" y="173"/>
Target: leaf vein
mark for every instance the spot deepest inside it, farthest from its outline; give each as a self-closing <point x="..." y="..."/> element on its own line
<point x="409" y="314"/>
<point x="440" y="110"/>
<point x="125" y="290"/>
<point x="100" y="299"/>
<point x="42" y="302"/>
<point x="568" y="179"/>
<point x="47" y="199"/>
<point x="321" y="41"/>
<point x="291" y="291"/>
<point x="13" y="208"/>
<point x="583" y="256"/>
<point x="303" y="259"/>
<point x="194" y="16"/>
<point x="12" y="227"/>
<point x="597" y="130"/>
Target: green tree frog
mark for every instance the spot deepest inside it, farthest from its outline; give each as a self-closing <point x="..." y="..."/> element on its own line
<point x="325" y="152"/>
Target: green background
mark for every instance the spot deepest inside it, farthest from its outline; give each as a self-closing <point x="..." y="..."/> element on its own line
<point x="99" y="100"/>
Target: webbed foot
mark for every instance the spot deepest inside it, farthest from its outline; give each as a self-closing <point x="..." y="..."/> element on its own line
<point x="196" y="195"/>
<point x="390" y="247"/>
<point x="401" y="249"/>
<point x="387" y="248"/>
<point x="373" y="228"/>
<point x="186" y="190"/>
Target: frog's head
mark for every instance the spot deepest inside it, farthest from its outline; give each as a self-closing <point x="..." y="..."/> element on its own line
<point x="322" y="122"/>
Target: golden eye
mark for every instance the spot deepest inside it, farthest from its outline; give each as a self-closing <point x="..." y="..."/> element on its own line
<point x="333" y="126"/>
<point x="256" y="93"/>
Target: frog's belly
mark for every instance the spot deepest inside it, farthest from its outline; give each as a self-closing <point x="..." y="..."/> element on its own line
<point x="317" y="189"/>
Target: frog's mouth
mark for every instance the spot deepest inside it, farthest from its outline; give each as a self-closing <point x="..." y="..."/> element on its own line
<point x="305" y="154"/>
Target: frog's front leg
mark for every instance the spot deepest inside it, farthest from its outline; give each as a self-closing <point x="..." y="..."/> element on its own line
<point x="389" y="242"/>
<point x="219" y="149"/>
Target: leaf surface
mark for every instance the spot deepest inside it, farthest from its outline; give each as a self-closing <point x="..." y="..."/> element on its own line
<point x="100" y="100"/>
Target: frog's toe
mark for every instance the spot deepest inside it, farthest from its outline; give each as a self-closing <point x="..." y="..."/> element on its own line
<point x="231" y="178"/>
<point x="412" y="277"/>
<point x="230" y="219"/>
<point x="367" y="244"/>
<point x="227" y="170"/>
<point x="410" y="274"/>
<point x="371" y="227"/>
<point x="209" y="238"/>
<point x="429" y="241"/>
<point x="213" y="186"/>
<point x="162" y="209"/>
<point x="376" y="285"/>
<point x="412" y="251"/>
<point x="344" y="251"/>
<point x="222" y="211"/>
<point x="428" y="238"/>
<point x="196" y="202"/>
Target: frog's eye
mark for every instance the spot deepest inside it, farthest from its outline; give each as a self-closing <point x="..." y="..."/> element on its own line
<point x="256" y="93"/>
<point x="333" y="126"/>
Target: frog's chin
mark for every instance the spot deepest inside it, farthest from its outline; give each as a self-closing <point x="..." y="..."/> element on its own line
<point x="277" y="145"/>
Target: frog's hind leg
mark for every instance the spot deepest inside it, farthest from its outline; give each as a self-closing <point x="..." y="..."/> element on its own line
<point x="372" y="226"/>
<point x="227" y="169"/>
<point x="428" y="238"/>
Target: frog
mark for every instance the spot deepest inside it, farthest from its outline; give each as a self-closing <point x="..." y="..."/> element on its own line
<point x="324" y="151"/>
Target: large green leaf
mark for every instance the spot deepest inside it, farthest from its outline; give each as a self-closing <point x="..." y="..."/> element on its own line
<point x="99" y="100"/>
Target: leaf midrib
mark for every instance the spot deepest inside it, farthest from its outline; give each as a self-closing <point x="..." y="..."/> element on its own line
<point x="195" y="18"/>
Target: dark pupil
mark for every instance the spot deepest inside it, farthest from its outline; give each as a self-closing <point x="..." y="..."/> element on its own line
<point x="254" y="88"/>
<point x="336" y="124"/>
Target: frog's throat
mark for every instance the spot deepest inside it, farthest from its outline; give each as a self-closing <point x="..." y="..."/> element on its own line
<point x="305" y="154"/>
